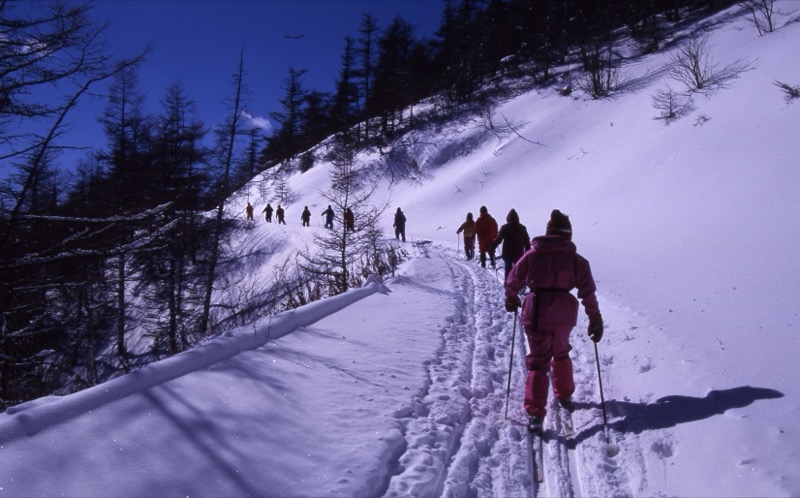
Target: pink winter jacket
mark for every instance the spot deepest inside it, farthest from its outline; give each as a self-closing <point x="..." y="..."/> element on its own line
<point x="551" y="268"/>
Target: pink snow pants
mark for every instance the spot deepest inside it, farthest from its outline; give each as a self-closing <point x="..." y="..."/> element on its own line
<point x="549" y="350"/>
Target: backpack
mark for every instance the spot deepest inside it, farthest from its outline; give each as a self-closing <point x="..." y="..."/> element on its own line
<point x="469" y="230"/>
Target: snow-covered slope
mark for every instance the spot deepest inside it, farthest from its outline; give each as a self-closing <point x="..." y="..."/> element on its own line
<point x="691" y="228"/>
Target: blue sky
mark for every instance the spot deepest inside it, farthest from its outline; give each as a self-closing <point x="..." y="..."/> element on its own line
<point x="198" y="42"/>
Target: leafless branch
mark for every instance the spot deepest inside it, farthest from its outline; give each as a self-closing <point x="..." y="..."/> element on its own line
<point x="790" y="92"/>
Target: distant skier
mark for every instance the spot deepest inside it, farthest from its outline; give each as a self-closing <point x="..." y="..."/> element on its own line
<point x="468" y="227"/>
<point x="551" y="269"/>
<point x="328" y="214"/>
<point x="515" y="239"/>
<point x="305" y="217"/>
<point x="399" y="225"/>
<point x="486" y="230"/>
<point x="349" y="220"/>
<point x="280" y="214"/>
<point x="249" y="210"/>
<point x="267" y="213"/>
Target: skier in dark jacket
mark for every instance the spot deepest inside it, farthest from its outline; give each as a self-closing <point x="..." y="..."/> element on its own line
<point x="515" y="239"/>
<point x="267" y="213"/>
<point x="349" y="220"/>
<point x="280" y="214"/>
<point x="249" y="210"/>
<point x="328" y="214"/>
<point x="305" y="217"/>
<point x="399" y="225"/>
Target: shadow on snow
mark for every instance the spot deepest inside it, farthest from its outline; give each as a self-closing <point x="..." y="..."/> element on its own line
<point x="671" y="411"/>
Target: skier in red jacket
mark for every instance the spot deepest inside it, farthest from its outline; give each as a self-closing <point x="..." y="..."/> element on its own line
<point x="551" y="269"/>
<point x="486" y="230"/>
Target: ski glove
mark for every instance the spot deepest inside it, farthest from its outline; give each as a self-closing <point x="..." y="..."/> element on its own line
<point x="595" y="327"/>
<point x="512" y="303"/>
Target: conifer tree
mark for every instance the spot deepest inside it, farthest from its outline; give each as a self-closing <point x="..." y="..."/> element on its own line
<point x="345" y="109"/>
<point x="171" y="280"/>
<point x="367" y="55"/>
<point x="126" y="160"/>
<point x="285" y="141"/>
<point x="393" y="76"/>
<point x="342" y="254"/>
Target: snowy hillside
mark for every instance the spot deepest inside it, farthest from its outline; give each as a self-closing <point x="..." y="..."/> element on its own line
<point x="399" y="388"/>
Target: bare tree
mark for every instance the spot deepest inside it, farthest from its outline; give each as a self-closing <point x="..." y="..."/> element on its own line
<point x="227" y="136"/>
<point x="60" y="295"/>
<point x="601" y="72"/>
<point x="790" y="92"/>
<point x="692" y="65"/>
<point x="57" y="49"/>
<point x="671" y="104"/>
<point x="762" y="12"/>
<point x="502" y="131"/>
<point x="49" y="60"/>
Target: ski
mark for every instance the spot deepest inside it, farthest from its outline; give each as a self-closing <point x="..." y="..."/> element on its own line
<point x="565" y="410"/>
<point x="566" y="421"/>
<point x="537" y="452"/>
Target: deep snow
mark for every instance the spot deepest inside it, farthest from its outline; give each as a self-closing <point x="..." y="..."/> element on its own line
<point x="399" y="388"/>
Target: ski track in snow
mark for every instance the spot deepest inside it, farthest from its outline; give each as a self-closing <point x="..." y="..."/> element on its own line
<point x="458" y="442"/>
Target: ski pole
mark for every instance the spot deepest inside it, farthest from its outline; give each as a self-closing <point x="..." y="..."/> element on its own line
<point x="602" y="398"/>
<point x="511" y="361"/>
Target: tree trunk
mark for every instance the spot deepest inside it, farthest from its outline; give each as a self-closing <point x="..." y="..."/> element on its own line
<point x="122" y="351"/>
<point x="217" y="237"/>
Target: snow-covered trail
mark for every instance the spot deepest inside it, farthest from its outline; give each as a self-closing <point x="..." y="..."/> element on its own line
<point x="395" y="389"/>
<point x="460" y="442"/>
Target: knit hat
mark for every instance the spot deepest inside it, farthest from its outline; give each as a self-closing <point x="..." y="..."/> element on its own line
<point x="559" y="224"/>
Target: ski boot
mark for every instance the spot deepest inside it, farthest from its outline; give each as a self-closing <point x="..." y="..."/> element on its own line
<point x="567" y="404"/>
<point x="535" y="424"/>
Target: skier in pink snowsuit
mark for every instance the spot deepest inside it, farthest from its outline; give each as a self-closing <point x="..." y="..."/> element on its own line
<point x="551" y="268"/>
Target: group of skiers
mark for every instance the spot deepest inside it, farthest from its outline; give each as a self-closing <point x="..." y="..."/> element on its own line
<point x="305" y="216"/>
<point x="349" y="218"/>
<point x="485" y="230"/>
<point x="550" y="267"/>
<point x="280" y="213"/>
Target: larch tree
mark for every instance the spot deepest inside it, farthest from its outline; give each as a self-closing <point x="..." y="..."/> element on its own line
<point x="345" y="108"/>
<point x="343" y="256"/>
<point x="227" y="136"/>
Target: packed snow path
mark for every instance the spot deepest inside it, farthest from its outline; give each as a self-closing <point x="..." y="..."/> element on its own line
<point x="458" y="441"/>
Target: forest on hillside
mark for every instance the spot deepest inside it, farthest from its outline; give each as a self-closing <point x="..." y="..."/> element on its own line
<point x="133" y="238"/>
